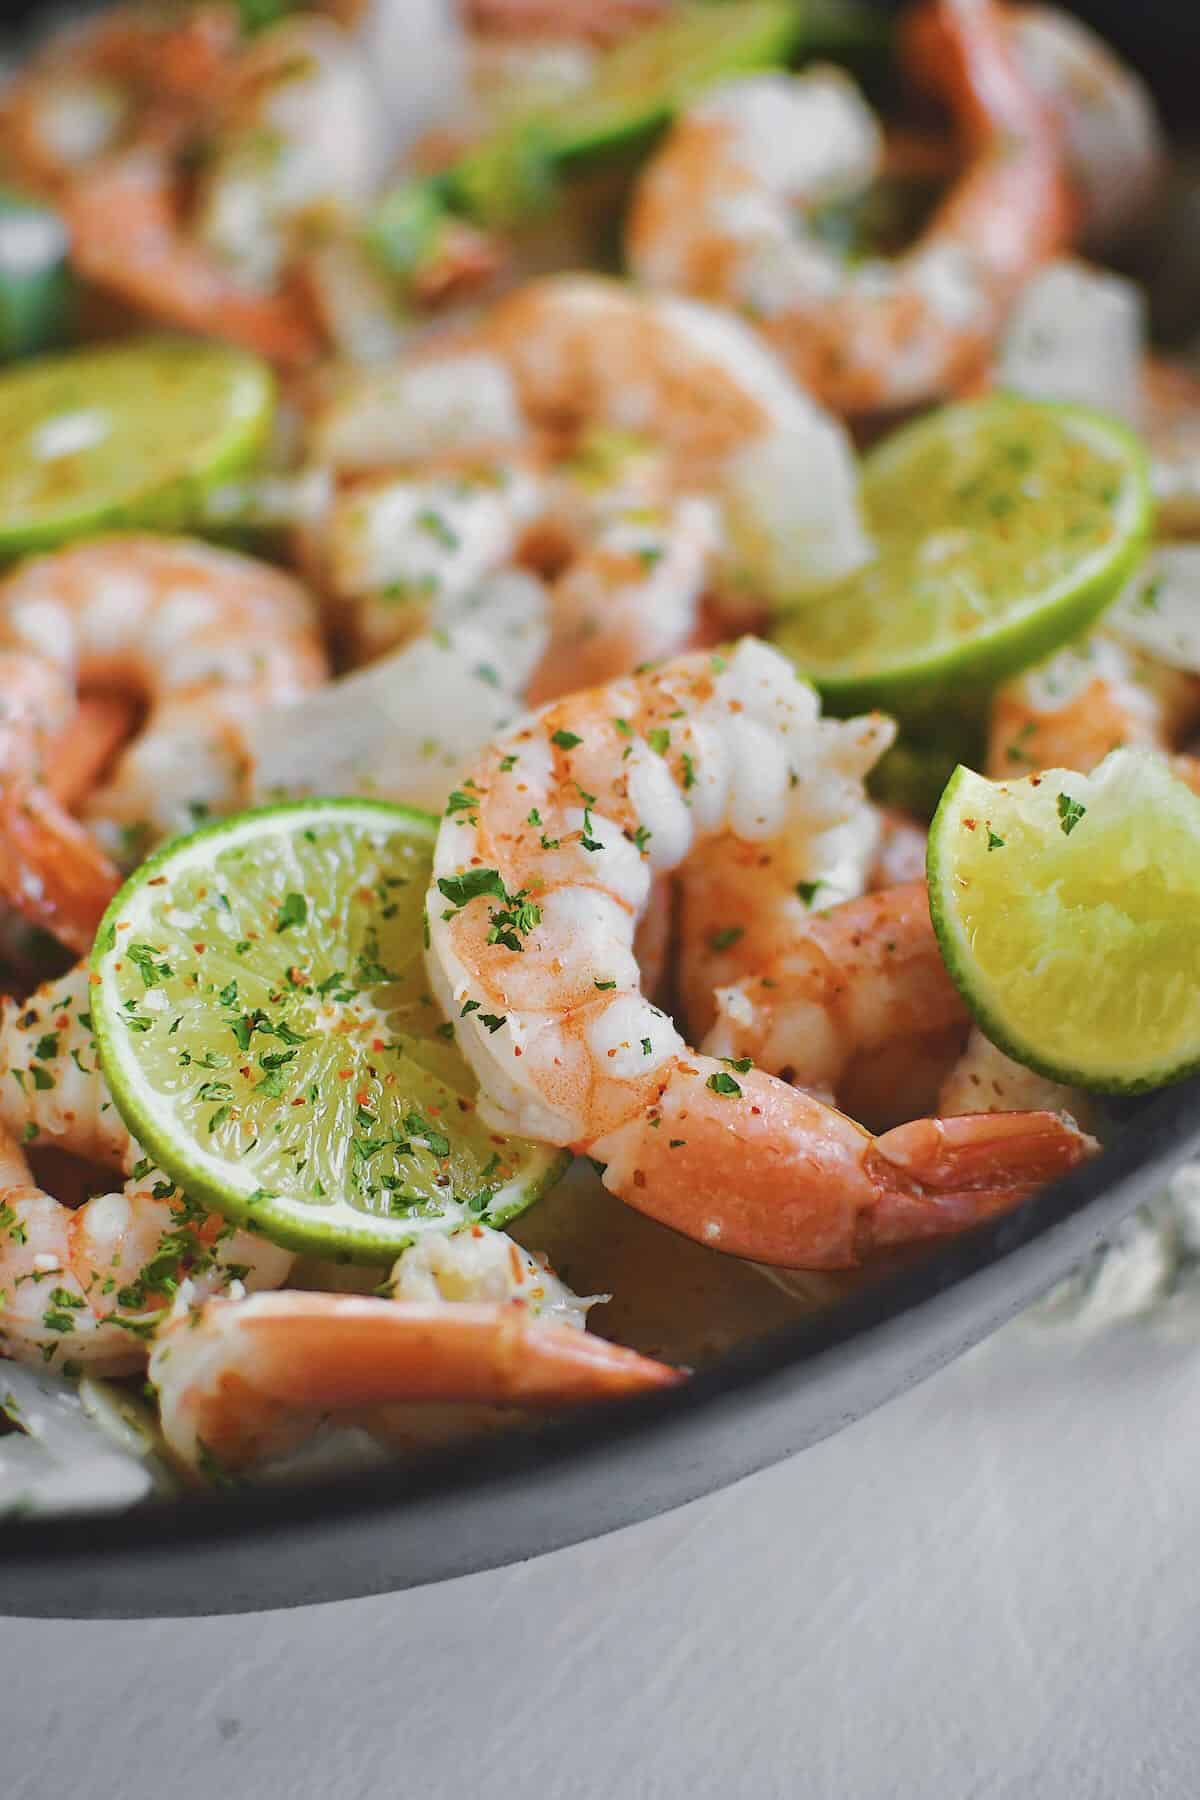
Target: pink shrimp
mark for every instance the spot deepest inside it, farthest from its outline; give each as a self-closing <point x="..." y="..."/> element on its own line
<point x="1068" y="713"/>
<point x="127" y="237"/>
<point x="88" y="1285"/>
<point x="864" y="979"/>
<point x="536" y="895"/>
<point x="239" y="1383"/>
<point x="202" y="638"/>
<point x="715" y="215"/>
<point x="131" y="73"/>
<point x="51" y="871"/>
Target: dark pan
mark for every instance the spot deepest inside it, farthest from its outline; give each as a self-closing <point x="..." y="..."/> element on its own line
<point x="409" y="1523"/>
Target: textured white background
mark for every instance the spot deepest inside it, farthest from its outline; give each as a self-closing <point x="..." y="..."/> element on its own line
<point x="991" y="1588"/>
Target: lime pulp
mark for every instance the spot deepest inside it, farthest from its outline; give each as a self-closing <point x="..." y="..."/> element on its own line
<point x="1066" y="906"/>
<point x="124" y="435"/>
<point x="264" y="1023"/>
<point x="1003" y="528"/>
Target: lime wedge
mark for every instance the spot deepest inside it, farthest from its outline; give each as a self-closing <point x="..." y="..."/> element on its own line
<point x="1066" y="907"/>
<point x="1003" y="527"/>
<point x="124" y="435"/>
<point x="264" y="1024"/>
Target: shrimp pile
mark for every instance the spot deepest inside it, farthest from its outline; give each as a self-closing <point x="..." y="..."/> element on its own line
<point x="513" y="554"/>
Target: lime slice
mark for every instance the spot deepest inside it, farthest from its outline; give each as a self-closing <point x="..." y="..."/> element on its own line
<point x="1003" y="527"/>
<point x="513" y="171"/>
<point x="264" y="1023"/>
<point x="648" y="78"/>
<point x="1066" y="906"/>
<point x="125" y="435"/>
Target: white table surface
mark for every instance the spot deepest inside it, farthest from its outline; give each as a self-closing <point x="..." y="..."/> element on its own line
<point x="990" y="1588"/>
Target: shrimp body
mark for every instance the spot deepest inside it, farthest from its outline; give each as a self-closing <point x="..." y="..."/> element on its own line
<point x="1112" y="139"/>
<point x="51" y="1091"/>
<point x="631" y="596"/>
<point x="403" y="553"/>
<point x="864" y="977"/>
<point x="50" y="871"/>
<point x="89" y="1285"/>
<point x="536" y="897"/>
<point x="126" y="75"/>
<point x="715" y="215"/>
<point x="472" y="1318"/>
<point x="203" y="638"/>
<point x="1086" y="700"/>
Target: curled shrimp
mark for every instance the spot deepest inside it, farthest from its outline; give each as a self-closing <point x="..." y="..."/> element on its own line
<point x="1112" y="140"/>
<point x="129" y="74"/>
<point x="536" y="895"/>
<point x="294" y="135"/>
<point x="1086" y="700"/>
<point x="863" y="981"/>
<point x="87" y="1286"/>
<point x="202" y="638"/>
<point x="51" y="872"/>
<point x="127" y="236"/>
<point x="472" y="1319"/>
<point x="715" y="215"/>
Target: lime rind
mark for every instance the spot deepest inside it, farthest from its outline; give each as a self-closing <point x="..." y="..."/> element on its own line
<point x="887" y="635"/>
<point x="1072" y="938"/>
<point x="356" y="1121"/>
<point x="122" y="436"/>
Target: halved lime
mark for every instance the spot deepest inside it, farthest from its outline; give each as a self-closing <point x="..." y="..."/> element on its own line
<point x="513" y="170"/>
<point x="1003" y="527"/>
<point x="124" y="435"/>
<point x="1066" y="908"/>
<point x="265" y="1026"/>
<point x="645" y="80"/>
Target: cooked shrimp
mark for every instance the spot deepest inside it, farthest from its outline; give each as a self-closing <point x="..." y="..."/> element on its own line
<point x="864" y="978"/>
<point x="633" y="596"/>
<point x="1089" y="699"/>
<point x="1170" y="420"/>
<point x="131" y="73"/>
<point x="536" y="896"/>
<point x="984" y="1079"/>
<point x="715" y="214"/>
<point x="51" y="872"/>
<point x="1112" y="139"/>
<point x="203" y="638"/>
<point x="473" y="1318"/>
<point x="638" y="399"/>
<point x="403" y="554"/>
<point x="127" y="237"/>
<point x="88" y="1286"/>
<point x="51" y="1091"/>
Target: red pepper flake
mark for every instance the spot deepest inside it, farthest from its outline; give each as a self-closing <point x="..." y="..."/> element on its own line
<point x="199" y="949"/>
<point x="345" y="1074"/>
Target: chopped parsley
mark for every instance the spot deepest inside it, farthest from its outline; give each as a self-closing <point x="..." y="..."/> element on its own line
<point x="1069" y="813"/>
<point x="720" y="1083"/>
<point x="294" y="911"/>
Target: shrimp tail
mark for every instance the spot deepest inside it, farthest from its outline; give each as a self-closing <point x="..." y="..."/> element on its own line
<point x="941" y="1176"/>
<point x="238" y="1382"/>
<point x="53" y="873"/>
